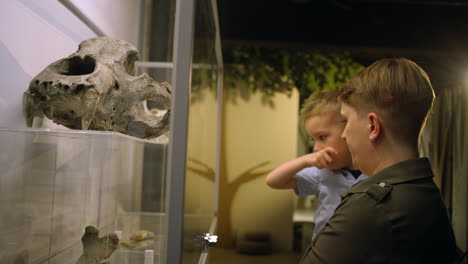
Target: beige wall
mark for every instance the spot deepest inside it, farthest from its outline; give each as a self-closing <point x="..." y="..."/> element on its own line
<point x="256" y="133"/>
<point x="201" y="147"/>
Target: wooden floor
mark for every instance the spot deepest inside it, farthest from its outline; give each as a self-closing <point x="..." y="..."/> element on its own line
<point x="229" y="256"/>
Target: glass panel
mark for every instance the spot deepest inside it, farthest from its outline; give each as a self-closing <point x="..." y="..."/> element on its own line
<point x="162" y="31"/>
<point x="202" y="135"/>
<point x="55" y="183"/>
<point x="26" y="197"/>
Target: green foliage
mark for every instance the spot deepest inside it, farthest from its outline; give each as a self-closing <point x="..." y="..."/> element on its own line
<point x="271" y="70"/>
<point x="204" y="83"/>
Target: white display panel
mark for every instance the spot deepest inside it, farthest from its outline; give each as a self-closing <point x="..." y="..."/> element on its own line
<point x="106" y="14"/>
<point x="33" y="35"/>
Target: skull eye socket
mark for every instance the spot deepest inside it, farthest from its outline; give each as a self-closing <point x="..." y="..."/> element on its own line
<point x="155" y="108"/>
<point x="77" y="66"/>
<point x="129" y="62"/>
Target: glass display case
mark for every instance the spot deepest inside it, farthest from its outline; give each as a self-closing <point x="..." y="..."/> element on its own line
<point x="194" y="67"/>
<point x="55" y="183"/>
<point x="58" y="188"/>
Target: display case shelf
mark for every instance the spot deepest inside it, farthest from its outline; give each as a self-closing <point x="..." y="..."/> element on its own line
<point x="54" y="183"/>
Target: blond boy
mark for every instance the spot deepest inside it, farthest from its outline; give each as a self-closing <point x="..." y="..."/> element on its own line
<point x="329" y="170"/>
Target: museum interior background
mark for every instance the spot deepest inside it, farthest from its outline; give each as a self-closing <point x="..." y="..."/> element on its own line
<point x="432" y="33"/>
<point x="275" y="53"/>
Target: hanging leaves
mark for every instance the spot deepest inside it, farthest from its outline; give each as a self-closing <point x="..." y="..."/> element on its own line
<point x="272" y="70"/>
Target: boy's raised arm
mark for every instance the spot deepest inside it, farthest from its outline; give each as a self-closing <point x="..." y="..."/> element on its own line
<point x="284" y="176"/>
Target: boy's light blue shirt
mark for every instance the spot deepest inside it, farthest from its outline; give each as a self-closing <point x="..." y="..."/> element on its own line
<point x="326" y="185"/>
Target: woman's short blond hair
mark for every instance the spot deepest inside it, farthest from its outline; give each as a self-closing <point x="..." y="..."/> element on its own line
<point x="396" y="88"/>
<point x="320" y="103"/>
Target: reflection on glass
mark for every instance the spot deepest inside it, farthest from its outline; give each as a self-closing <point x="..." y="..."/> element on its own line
<point x="202" y="135"/>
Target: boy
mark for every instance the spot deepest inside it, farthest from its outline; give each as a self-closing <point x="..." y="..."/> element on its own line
<point x="329" y="170"/>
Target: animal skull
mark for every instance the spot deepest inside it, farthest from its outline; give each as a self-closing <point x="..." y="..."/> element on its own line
<point x="96" y="88"/>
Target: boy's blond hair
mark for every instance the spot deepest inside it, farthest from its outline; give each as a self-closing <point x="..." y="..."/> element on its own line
<point x="396" y="88"/>
<point x="320" y="103"/>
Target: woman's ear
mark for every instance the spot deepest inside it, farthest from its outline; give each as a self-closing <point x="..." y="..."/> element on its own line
<point x="375" y="126"/>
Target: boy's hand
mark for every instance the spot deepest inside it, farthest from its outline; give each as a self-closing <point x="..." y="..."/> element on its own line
<point x="320" y="159"/>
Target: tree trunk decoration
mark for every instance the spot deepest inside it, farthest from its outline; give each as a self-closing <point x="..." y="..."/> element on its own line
<point x="227" y="190"/>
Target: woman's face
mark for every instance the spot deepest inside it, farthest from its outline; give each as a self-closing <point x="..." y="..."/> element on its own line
<point x="356" y="134"/>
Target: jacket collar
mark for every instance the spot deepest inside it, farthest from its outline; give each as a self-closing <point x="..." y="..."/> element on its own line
<point x="404" y="171"/>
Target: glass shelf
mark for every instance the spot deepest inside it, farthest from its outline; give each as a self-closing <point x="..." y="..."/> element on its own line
<point x="54" y="183"/>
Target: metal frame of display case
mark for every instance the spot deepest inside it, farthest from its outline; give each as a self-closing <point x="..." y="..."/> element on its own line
<point x="77" y="12"/>
<point x="183" y="47"/>
<point x="219" y="58"/>
<point x="183" y="43"/>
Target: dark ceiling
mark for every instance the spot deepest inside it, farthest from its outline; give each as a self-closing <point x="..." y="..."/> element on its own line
<point x="432" y="33"/>
<point x="410" y="24"/>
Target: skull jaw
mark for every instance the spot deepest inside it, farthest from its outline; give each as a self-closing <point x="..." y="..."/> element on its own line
<point x="145" y="130"/>
<point x="131" y="121"/>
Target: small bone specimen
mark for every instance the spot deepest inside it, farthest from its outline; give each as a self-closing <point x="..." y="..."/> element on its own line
<point x="141" y="235"/>
<point x="141" y="239"/>
<point x="95" y="248"/>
